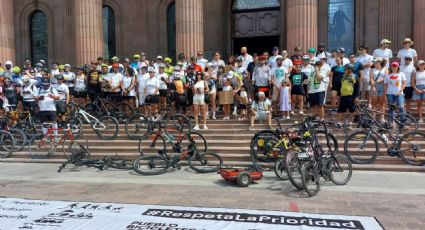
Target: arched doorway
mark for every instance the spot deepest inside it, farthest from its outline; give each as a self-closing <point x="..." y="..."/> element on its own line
<point x="256" y="25"/>
<point x="39" y="36"/>
<point x="171" y="30"/>
<point x="109" y="34"/>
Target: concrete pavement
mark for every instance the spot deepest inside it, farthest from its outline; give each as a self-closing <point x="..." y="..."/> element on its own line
<point x="397" y="199"/>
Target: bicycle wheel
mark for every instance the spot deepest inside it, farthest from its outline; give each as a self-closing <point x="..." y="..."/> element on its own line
<point x="106" y="128"/>
<point x="205" y="162"/>
<point x="280" y="169"/>
<point x="20" y="138"/>
<point x="194" y="142"/>
<point x="7" y="144"/>
<point x="75" y="147"/>
<point x="412" y="148"/>
<point x="41" y="146"/>
<point x="151" y="143"/>
<point x="76" y="126"/>
<point x="293" y="167"/>
<point x="310" y="179"/>
<point x="405" y="122"/>
<point x="333" y="143"/>
<point x="122" y="111"/>
<point x="151" y="165"/>
<point x="177" y="123"/>
<point x="340" y="170"/>
<point x="263" y="147"/>
<point x="136" y="126"/>
<point x="361" y="148"/>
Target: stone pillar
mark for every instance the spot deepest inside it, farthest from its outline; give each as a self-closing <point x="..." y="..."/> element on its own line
<point x="419" y="27"/>
<point x="189" y="27"/>
<point x="88" y="30"/>
<point x="389" y="23"/>
<point x="7" y="32"/>
<point x="301" y="24"/>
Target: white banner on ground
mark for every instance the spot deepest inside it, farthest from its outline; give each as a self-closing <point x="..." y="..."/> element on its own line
<point x="40" y="214"/>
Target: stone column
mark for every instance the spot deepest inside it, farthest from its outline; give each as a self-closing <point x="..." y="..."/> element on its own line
<point x="88" y="30"/>
<point x="301" y="24"/>
<point x="7" y="32"/>
<point x="389" y="23"/>
<point x="189" y="27"/>
<point x="419" y="27"/>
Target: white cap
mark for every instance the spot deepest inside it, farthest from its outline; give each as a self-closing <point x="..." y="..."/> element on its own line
<point x="8" y="63"/>
<point x="420" y="62"/>
<point x="67" y="65"/>
<point x="229" y="74"/>
<point x="177" y="68"/>
<point x="25" y="78"/>
<point x="159" y="57"/>
<point x="321" y="55"/>
<point x="279" y="57"/>
<point x="261" y="94"/>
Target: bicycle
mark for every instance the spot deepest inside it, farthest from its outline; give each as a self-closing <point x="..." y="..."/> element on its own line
<point x="118" y="163"/>
<point x="105" y="127"/>
<point x="22" y="120"/>
<point x="321" y="163"/>
<point x="366" y="148"/>
<point x="199" y="162"/>
<point x="137" y="124"/>
<point x="19" y="136"/>
<point x="79" y="157"/>
<point x="42" y="146"/>
<point x="101" y="106"/>
<point x="155" y="141"/>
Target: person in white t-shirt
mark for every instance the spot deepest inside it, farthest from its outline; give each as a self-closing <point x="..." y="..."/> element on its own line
<point x="418" y="83"/>
<point x="317" y="83"/>
<point x="142" y="77"/>
<point x="277" y="74"/>
<point x="287" y="62"/>
<point x="331" y="59"/>
<point x="246" y="58"/>
<point x="63" y="92"/>
<point x="152" y="91"/>
<point x="341" y="53"/>
<point x="272" y="59"/>
<point x="163" y="79"/>
<point x="394" y="84"/>
<point x="407" y="51"/>
<point x="384" y="52"/>
<point x="410" y="72"/>
<point x="46" y="96"/>
<point x="115" y="81"/>
<point x="326" y="71"/>
<point x="366" y="60"/>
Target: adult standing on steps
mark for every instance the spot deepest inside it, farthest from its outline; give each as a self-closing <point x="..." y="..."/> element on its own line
<point x="384" y="52"/>
<point x="246" y="57"/>
<point x="200" y="88"/>
<point x="418" y="83"/>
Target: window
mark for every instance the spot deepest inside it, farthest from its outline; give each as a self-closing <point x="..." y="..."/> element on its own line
<point x="171" y="30"/>
<point x="341" y="24"/>
<point x="255" y="4"/>
<point x="109" y="43"/>
<point x="39" y="36"/>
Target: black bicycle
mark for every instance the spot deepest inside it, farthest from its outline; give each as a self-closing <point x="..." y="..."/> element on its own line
<point x="81" y="157"/>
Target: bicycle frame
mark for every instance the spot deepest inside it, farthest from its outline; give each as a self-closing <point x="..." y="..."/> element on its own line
<point x="89" y="118"/>
<point x="64" y="137"/>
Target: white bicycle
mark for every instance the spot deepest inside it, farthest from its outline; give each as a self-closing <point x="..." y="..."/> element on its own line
<point x="105" y="127"/>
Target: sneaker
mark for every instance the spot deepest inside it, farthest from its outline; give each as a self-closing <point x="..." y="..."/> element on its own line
<point x="196" y="127"/>
<point x="420" y="121"/>
<point x="224" y="118"/>
<point x="292" y="112"/>
<point x="301" y="113"/>
<point x="213" y="117"/>
<point x="288" y="117"/>
<point x="205" y="127"/>
<point x="235" y="114"/>
<point x="283" y="118"/>
<point x="251" y="127"/>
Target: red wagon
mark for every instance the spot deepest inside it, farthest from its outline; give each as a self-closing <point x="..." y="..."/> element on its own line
<point x="243" y="177"/>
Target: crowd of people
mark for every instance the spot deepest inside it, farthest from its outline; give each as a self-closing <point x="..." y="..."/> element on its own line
<point x="246" y="87"/>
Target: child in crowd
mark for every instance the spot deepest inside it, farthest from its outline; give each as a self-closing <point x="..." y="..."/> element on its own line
<point x="243" y="102"/>
<point x="226" y="107"/>
<point x="285" y="98"/>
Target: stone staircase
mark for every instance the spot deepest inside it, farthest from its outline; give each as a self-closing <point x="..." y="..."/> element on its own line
<point x="230" y="139"/>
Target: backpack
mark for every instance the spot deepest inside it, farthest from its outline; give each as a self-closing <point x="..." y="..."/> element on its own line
<point x="347" y="85"/>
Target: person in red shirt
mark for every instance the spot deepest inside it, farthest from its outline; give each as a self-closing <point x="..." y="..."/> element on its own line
<point x="196" y="67"/>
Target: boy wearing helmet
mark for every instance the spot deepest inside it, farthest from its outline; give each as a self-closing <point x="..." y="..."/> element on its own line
<point x="63" y="92"/>
<point x="46" y="96"/>
<point x="27" y="94"/>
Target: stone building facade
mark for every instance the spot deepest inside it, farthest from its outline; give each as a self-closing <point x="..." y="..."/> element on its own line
<point x="77" y="31"/>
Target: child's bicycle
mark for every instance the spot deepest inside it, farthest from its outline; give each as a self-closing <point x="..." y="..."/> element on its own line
<point x="42" y="146"/>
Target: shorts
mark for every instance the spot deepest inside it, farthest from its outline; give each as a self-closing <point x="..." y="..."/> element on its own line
<point x="213" y="91"/>
<point x="180" y="100"/>
<point x="189" y="97"/>
<point x="346" y="103"/>
<point x="71" y="91"/>
<point x="365" y="86"/>
<point x="417" y="96"/>
<point x="379" y="92"/>
<point x="199" y="99"/>
<point x="261" y="116"/>
<point x="60" y="107"/>
<point x="163" y="92"/>
<point x="30" y="106"/>
<point x="80" y="94"/>
<point x="297" y="90"/>
<point x="47" y="116"/>
<point x="336" y="87"/>
<point x="152" y="99"/>
<point x="408" y="92"/>
<point x="13" y="101"/>
<point x="316" y="99"/>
